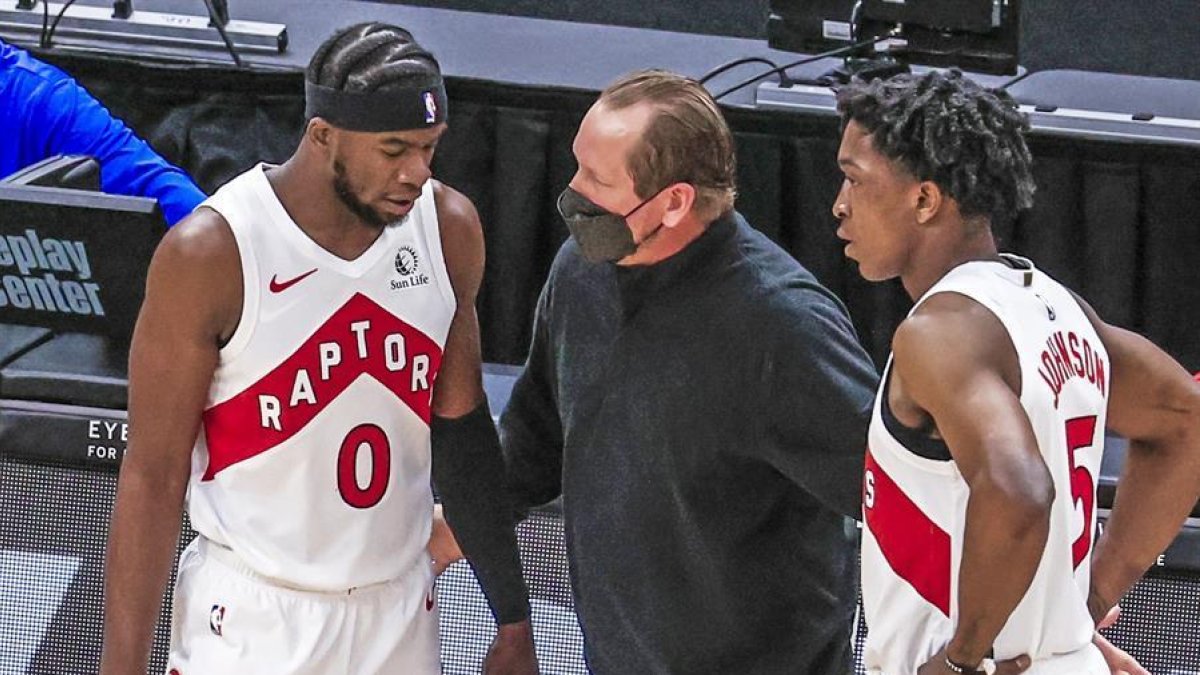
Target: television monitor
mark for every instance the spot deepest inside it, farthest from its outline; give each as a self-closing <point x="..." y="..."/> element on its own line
<point x="981" y="36"/>
<point x="810" y="26"/>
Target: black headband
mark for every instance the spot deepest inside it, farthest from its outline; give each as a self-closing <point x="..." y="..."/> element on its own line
<point x="391" y="109"/>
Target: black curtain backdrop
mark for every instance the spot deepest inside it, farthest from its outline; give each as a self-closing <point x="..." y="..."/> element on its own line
<point x="1120" y="223"/>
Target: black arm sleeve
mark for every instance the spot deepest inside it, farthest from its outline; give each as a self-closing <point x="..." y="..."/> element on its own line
<point x="468" y="471"/>
<point x="530" y="428"/>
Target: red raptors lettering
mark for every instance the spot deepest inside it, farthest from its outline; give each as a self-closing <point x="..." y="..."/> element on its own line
<point x="362" y="339"/>
<point x="330" y="357"/>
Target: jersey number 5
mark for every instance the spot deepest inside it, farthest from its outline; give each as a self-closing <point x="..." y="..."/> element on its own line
<point x="1080" y="432"/>
<point x="381" y="466"/>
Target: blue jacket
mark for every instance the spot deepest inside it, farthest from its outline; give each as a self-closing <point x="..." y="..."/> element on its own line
<point x="44" y="112"/>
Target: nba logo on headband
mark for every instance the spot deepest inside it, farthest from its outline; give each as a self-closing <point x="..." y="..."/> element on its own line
<point x="391" y="109"/>
<point x="430" y="107"/>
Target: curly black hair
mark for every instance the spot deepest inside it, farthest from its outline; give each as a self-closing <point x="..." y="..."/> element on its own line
<point x="946" y="128"/>
<point x="369" y="56"/>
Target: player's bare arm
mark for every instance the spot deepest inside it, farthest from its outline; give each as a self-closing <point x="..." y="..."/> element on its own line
<point x="460" y="381"/>
<point x="1155" y="404"/>
<point x="954" y="362"/>
<point x="192" y="304"/>
<point x="459" y="392"/>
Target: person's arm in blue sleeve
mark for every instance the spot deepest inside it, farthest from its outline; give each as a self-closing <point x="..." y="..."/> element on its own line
<point x="64" y="119"/>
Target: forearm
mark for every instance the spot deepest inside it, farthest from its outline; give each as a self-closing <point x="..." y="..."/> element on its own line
<point x="132" y="167"/>
<point x="1002" y="547"/>
<point x="1156" y="493"/>
<point x="141" y="546"/>
<point x="469" y="473"/>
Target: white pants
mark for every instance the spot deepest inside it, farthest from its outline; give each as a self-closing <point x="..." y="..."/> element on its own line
<point x="227" y="619"/>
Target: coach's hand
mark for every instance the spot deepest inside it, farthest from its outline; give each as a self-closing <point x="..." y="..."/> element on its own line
<point x="443" y="547"/>
<point x="512" y="651"/>
<point x="937" y="666"/>
<point x="1119" y="662"/>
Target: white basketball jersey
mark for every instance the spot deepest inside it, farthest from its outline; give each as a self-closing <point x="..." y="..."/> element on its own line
<point x="312" y="463"/>
<point x="915" y="508"/>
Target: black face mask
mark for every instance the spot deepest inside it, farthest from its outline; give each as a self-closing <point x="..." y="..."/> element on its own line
<point x="603" y="236"/>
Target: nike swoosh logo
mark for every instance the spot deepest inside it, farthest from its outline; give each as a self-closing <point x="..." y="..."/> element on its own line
<point x="281" y="286"/>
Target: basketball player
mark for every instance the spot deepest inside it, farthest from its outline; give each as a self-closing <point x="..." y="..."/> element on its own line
<point x="293" y="332"/>
<point x="979" y="488"/>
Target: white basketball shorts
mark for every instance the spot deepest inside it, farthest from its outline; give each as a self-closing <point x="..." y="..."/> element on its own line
<point x="227" y="619"/>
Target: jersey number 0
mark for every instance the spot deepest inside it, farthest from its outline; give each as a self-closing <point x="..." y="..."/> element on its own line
<point x="376" y="440"/>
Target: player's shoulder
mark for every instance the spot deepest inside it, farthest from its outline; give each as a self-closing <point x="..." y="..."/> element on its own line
<point x="203" y="238"/>
<point x="461" y="235"/>
<point x="945" y="316"/>
<point x="458" y="221"/>
<point x="454" y="209"/>
<point x="199" y="258"/>
<point x="951" y="330"/>
<point x="196" y="273"/>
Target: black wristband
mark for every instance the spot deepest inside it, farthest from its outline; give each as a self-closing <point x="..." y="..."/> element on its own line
<point x="468" y="472"/>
